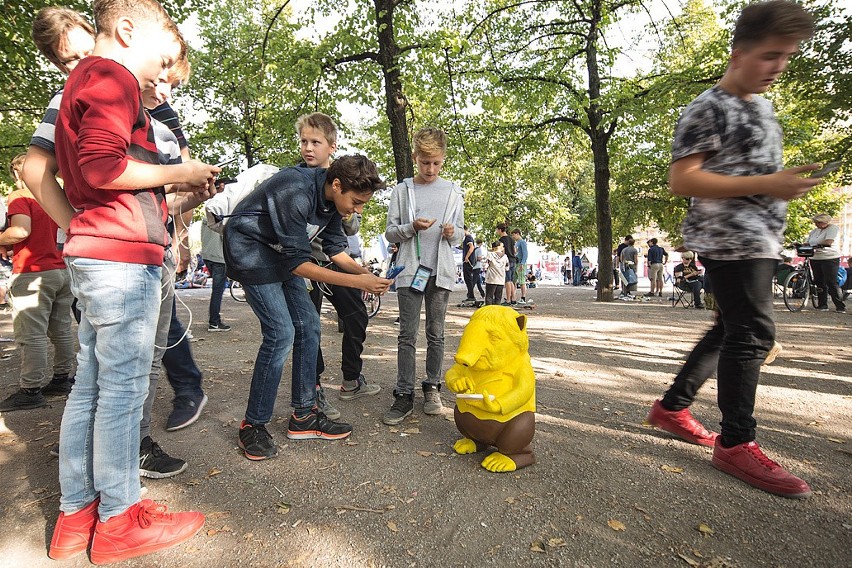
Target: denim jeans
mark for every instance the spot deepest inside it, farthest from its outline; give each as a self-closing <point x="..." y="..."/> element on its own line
<point x="99" y="437"/>
<point x="825" y="277"/>
<point x="288" y="321"/>
<point x="41" y="304"/>
<point x="217" y="273"/>
<point x="181" y="370"/>
<point x="161" y="339"/>
<point x="477" y="281"/>
<point x="734" y="347"/>
<point x="353" y="317"/>
<point x="410" y="303"/>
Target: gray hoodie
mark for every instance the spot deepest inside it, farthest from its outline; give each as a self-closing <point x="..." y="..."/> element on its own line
<point x="441" y="200"/>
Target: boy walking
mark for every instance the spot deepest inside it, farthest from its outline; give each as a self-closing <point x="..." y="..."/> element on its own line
<point x="116" y="240"/>
<point x="727" y="157"/>
<point x="426" y="219"/>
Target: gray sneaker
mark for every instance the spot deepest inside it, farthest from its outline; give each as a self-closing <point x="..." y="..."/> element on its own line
<point x="361" y="388"/>
<point x="326" y="407"/>
<point x="432" y="399"/>
<point x="403" y="406"/>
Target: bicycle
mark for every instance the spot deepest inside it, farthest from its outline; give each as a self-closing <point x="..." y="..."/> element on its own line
<point x="799" y="285"/>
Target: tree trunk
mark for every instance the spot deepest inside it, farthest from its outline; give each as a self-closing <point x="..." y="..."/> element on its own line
<point x="599" y="136"/>
<point x="396" y="104"/>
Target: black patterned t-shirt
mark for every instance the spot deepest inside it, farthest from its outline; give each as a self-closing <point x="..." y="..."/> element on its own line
<point x="740" y="138"/>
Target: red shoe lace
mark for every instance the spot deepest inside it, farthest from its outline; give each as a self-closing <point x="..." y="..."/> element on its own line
<point x="755" y="450"/>
<point x="146" y="515"/>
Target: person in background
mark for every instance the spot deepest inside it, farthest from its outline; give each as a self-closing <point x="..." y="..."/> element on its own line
<point x="826" y="262"/>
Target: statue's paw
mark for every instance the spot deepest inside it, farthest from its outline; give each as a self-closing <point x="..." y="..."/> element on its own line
<point x="465" y="446"/>
<point x="498" y="463"/>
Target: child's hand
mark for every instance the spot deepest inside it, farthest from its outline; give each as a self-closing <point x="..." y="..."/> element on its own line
<point x="448" y="230"/>
<point x="421" y="223"/>
<point x="200" y="174"/>
<point x="374" y="284"/>
<point x="788" y="184"/>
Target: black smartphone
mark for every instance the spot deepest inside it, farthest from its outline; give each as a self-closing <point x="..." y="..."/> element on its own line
<point x="826" y="169"/>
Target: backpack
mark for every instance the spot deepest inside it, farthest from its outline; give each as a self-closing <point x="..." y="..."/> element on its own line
<point x="220" y="207"/>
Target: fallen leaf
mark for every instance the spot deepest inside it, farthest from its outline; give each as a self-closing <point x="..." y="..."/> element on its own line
<point x="214" y="472"/>
<point x="423" y="454"/>
<point x="411" y="431"/>
<point x="537" y="546"/>
<point x="615" y="525"/>
<point x="511" y="500"/>
<point x="212" y="532"/>
<point x="670" y="469"/>
<point x="555" y="542"/>
<point x="392" y="526"/>
<point x="688" y="560"/>
<point x="704" y="529"/>
<point x="835" y="440"/>
<point x="193" y="482"/>
<point x="283" y="508"/>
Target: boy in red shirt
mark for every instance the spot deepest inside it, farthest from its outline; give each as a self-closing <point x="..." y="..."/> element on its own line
<point x="41" y="294"/>
<point x="116" y="240"/>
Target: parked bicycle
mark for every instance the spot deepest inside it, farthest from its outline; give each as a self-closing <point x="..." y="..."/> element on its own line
<point x="799" y="285"/>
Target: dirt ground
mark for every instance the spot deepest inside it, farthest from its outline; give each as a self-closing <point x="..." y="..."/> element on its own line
<point x="606" y="491"/>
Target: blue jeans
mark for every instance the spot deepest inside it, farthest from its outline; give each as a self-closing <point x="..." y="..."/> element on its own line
<point x="217" y="273"/>
<point x="181" y="370"/>
<point x="288" y="321"/>
<point x="99" y="438"/>
<point x="410" y="303"/>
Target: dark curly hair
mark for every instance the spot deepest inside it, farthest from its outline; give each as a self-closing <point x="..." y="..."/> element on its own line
<point x="356" y="173"/>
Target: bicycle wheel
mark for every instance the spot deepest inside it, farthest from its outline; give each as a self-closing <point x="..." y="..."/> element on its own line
<point x="373" y="303"/>
<point x="815" y="290"/>
<point x="237" y="291"/>
<point x="796" y="291"/>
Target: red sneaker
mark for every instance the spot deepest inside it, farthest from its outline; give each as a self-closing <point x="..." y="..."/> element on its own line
<point x="73" y="533"/>
<point x="682" y="424"/>
<point x="144" y="528"/>
<point x="748" y="463"/>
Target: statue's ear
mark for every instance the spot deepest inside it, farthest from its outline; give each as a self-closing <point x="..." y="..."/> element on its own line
<point x="522" y="322"/>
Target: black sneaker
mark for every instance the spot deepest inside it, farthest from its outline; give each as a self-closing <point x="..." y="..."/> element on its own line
<point x="219" y="327"/>
<point x="403" y="406"/>
<point x="24" y="399"/>
<point x="185" y="411"/>
<point x="155" y="463"/>
<point x="316" y="425"/>
<point x="256" y="442"/>
<point x="60" y="385"/>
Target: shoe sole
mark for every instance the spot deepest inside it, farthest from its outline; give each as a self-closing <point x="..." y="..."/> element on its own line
<point x="253" y="457"/>
<point x="395" y="421"/>
<point x="28" y="407"/>
<point x="153" y="474"/>
<point x="108" y="558"/>
<point x="218" y="330"/>
<point x="734" y="471"/>
<point x="773" y="353"/>
<point x="350" y="395"/>
<point x="316" y="435"/>
<point x="192" y="420"/>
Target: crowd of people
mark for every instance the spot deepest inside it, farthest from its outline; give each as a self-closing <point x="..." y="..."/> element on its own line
<point x="101" y="240"/>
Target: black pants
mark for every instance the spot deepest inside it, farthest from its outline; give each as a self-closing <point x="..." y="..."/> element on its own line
<point x="693" y="286"/>
<point x="353" y="316"/>
<point x="181" y="370"/>
<point x="493" y="293"/>
<point x="467" y="273"/>
<point x="825" y="277"/>
<point x="734" y="347"/>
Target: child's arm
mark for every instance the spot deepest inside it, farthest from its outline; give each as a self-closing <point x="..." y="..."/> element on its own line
<point x="39" y="173"/>
<point x="367" y="281"/>
<point x="687" y="178"/>
<point x="137" y="175"/>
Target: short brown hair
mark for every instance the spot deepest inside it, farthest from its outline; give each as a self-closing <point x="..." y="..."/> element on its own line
<point x="321" y="122"/>
<point x="356" y="173"/>
<point x="180" y="71"/>
<point x="50" y="27"/>
<point x="429" y="142"/>
<point x="761" y="20"/>
<point x="107" y="12"/>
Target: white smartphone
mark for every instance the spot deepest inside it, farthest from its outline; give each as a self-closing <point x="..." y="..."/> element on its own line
<point x="826" y="169"/>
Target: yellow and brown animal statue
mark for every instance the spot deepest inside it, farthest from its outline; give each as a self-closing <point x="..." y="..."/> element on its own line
<point x="495" y="389"/>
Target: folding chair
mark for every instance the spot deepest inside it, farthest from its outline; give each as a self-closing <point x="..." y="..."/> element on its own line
<point x="680" y="296"/>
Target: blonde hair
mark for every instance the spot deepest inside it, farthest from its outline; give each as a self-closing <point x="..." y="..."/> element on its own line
<point x="108" y="12"/>
<point x="429" y="142"/>
<point x="180" y="71"/>
<point x="51" y="26"/>
<point x="321" y="122"/>
<point x="16" y="166"/>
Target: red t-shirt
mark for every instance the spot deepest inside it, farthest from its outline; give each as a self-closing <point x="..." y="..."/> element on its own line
<point x="37" y="252"/>
<point x="102" y="126"/>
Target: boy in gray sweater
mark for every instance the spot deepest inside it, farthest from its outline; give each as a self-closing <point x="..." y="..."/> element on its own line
<point x="426" y="220"/>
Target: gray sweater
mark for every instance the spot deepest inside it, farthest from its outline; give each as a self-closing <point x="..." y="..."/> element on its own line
<point x="441" y="200"/>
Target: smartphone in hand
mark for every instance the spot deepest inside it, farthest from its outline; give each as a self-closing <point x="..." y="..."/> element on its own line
<point x="395" y="271"/>
<point x="826" y="169"/>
